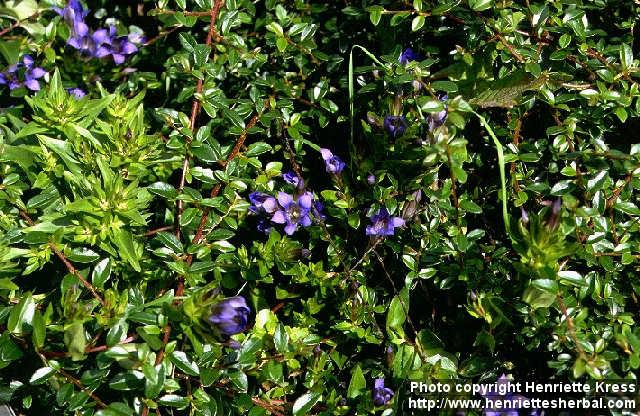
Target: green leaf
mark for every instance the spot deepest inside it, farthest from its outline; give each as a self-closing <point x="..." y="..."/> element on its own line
<point x="304" y="403"/>
<point x="21" y="316"/>
<point x="396" y="316"/>
<point x="546" y="284"/>
<point x="170" y="241"/>
<point x="626" y="56"/>
<point x="163" y="189"/>
<point x="9" y="351"/>
<point x="82" y="255"/>
<point x="180" y="360"/>
<point x="41" y="375"/>
<point x="417" y="23"/>
<point x="431" y="105"/>
<point x="202" y="267"/>
<point x="281" y="339"/>
<point x="154" y="378"/>
<point x="258" y="148"/>
<point x="101" y="273"/>
<point x="75" y="340"/>
<point x="470" y="206"/>
<point x="538" y="298"/>
<point x="480" y="5"/>
<point x="39" y="330"/>
<point x="627" y="207"/>
<point x="447" y="86"/>
<point x="173" y="400"/>
<point x="124" y="241"/>
<point x="358" y="384"/>
<point x="281" y="44"/>
<point x="572" y="278"/>
<point x="375" y="13"/>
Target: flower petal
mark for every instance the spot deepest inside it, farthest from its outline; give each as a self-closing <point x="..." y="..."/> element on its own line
<point x="32" y="84"/>
<point x="290" y="228"/>
<point x="284" y="199"/>
<point x="279" y="217"/>
<point x="305" y="200"/>
<point x="326" y="154"/>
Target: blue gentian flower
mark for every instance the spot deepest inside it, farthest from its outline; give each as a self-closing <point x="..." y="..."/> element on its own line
<point x="262" y="203"/>
<point x="93" y="45"/>
<point x="318" y="207"/>
<point x="395" y="125"/>
<point x="524" y="216"/>
<point x="77" y="93"/>
<point x="73" y="14"/>
<point x="407" y="56"/>
<point x="383" y="224"/>
<point x="263" y="206"/>
<point x="231" y="315"/>
<point x="436" y="120"/>
<point x="23" y="74"/>
<point x="333" y="163"/>
<point x="554" y="218"/>
<point x="293" y="213"/>
<point x="121" y="46"/>
<point x="381" y="394"/>
<point x="99" y="43"/>
<point x="295" y="180"/>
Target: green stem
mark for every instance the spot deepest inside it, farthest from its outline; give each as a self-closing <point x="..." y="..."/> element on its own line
<point x="503" y="180"/>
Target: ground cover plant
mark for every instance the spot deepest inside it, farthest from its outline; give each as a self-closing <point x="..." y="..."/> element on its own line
<point x="290" y="207"/>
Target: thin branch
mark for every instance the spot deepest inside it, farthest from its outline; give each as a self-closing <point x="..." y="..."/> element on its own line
<point x="195" y="110"/>
<point x="70" y="267"/>
<point x="78" y="384"/>
<point x="158" y="230"/>
<point x="199" y="234"/>
<point x="100" y="348"/>
<point x="17" y="23"/>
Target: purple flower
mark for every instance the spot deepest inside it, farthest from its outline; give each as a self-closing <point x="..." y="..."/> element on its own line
<point x="318" y="207"/>
<point x="503" y="384"/>
<point x="73" y="14"/>
<point x="293" y="213"/>
<point x="78" y="93"/>
<point x="437" y="119"/>
<point x="407" y="56"/>
<point x="371" y="179"/>
<point x="94" y="45"/>
<point x="262" y="203"/>
<point x="230" y="316"/>
<point x="295" y="180"/>
<point x="381" y="394"/>
<point x="395" y="125"/>
<point x="25" y="70"/>
<point x="333" y="164"/>
<point x="99" y="43"/>
<point x="383" y="224"/>
<point x="121" y="46"/>
<point x="524" y="216"/>
<point x="554" y="218"/>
